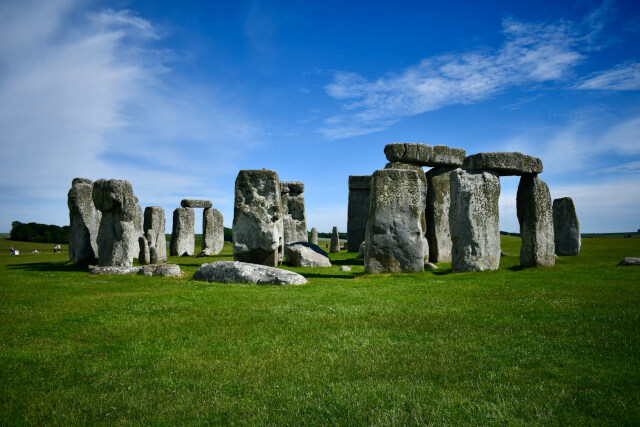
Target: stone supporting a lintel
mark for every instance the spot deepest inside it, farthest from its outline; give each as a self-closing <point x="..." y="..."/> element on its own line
<point x="438" y="202"/>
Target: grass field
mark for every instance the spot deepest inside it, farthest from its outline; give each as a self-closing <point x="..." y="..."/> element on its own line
<point x="556" y="345"/>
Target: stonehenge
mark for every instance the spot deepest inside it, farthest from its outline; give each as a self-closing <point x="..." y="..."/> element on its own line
<point x="357" y="211"/>
<point x="154" y="231"/>
<point x="437" y="213"/>
<point x="535" y="215"/>
<point x="566" y="228"/>
<point x="183" y="237"/>
<point x="212" y="232"/>
<point x="294" y="220"/>
<point x="84" y="221"/>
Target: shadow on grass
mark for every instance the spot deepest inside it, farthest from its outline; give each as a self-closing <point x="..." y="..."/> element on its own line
<point x="515" y="268"/>
<point x="65" y="266"/>
<point x="347" y="261"/>
<point x="327" y="276"/>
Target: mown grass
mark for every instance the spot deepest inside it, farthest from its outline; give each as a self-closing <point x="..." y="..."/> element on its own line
<point x="556" y="345"/>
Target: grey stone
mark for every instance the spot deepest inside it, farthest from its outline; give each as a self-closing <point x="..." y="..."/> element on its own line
<point x="144" y="256"/>
<point x="212" y="232"/>
<point x="138" y="227"/>
<point x="504" y="163"/>
<point x="430" y="266"/>
<point x="153" y="255"/>
<point x="161" y="270"/>
<point x="335" y="241"/>
<point x="115" y="270"/>
<point x="257" y="218"/>
<point x="630" y="261"/>
<point x="437" y="214"/>
<point x="358" y="210"/>
<point x="154" y="230"/>
<point x="566" y="228"/>
<point x="303" y="254"/>
<point x="533" y="205"/>
<point x="395" y="238"/>
<point x="363" y="245"/>
<point x="424" y="155"/>
<point x="294" y="220"/>
<point x="84" y="220"/>
<point x="474" y="220"/>
<point x="183" y="234"/>
<point x="242" y="272"/>
<point x="191" y="203"/>
<point x="118" y="225"/>
<point x="314" y="236"/>
<point x="345" y="268"/>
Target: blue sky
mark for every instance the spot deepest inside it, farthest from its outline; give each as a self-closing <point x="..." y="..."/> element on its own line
<point x="177" y="97"/>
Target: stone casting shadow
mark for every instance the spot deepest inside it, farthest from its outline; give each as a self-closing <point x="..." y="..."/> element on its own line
<point x="65" y="266"/>
<point x="348" y="261"/>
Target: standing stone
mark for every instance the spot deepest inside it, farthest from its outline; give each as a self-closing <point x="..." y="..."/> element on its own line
<point x="533" y="204"/>
<point x="437" y="214"/>
<point x="153" y="255"/>
<point x="144" y="255"/>
<point x="154" y="230"/>
<point x="183" y="234"/>
<point x="474" y="220"/>
<point x="84" y="220"/>
<point x="294" y="220"/>
<point x="257" y="218"/>
<point x="566" y="228"/>
<point x="395" y="238"/>
<point x="115" y="199"/>
<point x="358" y="210"/>
<point x="314" y="236"/>
<point x="212" y="232"/>
<point x="335" y="241"/>
<point x="138" y="220"/>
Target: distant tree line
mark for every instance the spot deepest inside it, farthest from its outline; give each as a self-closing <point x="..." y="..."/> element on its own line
<point x="343" y="236"/>
<point x="40" y="233"/>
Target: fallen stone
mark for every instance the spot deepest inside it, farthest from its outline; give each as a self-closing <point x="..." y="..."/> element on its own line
<point x="358" y="210"/>
<point x="183" y="235"/>
<point x="84" y="220"/>
<point x="191" y="203"/>
<point x="115" y="270"/>
<point x="345" y="268"/>
<point x="314" y="236"/>
<point x="162" y="270"/>
<point x="504" y="163"/>
<point x="437" y="214"/>
<point x="335" y="241"/>
<point x="294" y="221"/>
<point x="242" y="272"/>
<point x="533" y="205"/>
<point x="212" y="232"/>
<point x="430" y="266"/>
<point x="154" y="231"/>
<point x="424" y="155"/>
<point x="303" y="254"/>
<point x="630" y="261"/>
<point x="144" y="257"/>
<point x="566" y="228"/>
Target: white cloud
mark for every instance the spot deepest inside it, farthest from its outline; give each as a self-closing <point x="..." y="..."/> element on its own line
<point x="631" y="167"/>
<point x="622" y="77"/>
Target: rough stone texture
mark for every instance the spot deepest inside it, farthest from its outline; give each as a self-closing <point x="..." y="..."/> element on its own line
<point x="118" y="226"/>
<point x="153" y="255"/>
<point x="363" y="245"/>
<point x="190" y="203"/>
<point x="84" y="220"/>
<point x="115" y="270"/>
<point x="504" y="163"/>
<point x="335" y="241"/>
<point x="137" y="224"/>
<point x="395" y="238"/>
<point x="212" y="232"/>
<point x="423" y="154"/>
<point x="144" y="256"/>
<point x="437" y="214"/>
<point x="630" y="261"/>
<point x="314" y="236"/>
<point x="533" y="204"/>
<point x="358" y="210"/>
<point x="303" y="254"/>
<point x="257" y="218"/>
<point x="345" y="268"/>
<point x="474" y="220"/>
<point x="183" y="234"/>
<point x="566" y="228"/>
<point x="162" y="270"/>
<point x="294" y="220"/>
<point x="242" y="272"/>
<point x="154" y="230"/>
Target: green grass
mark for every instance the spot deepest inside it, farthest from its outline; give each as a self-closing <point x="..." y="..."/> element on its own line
<point x="556" y="345"/>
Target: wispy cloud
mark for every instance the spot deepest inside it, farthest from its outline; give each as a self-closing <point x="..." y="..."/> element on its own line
<point x="622" y="77"/>
<point x="631" y="167"/>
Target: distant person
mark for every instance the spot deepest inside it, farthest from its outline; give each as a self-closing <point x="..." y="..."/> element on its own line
<point x="35" y="251"/>
<point x="11" y="250"/>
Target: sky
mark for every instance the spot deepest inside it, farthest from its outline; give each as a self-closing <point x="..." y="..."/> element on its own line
<point x="177" y="97"/>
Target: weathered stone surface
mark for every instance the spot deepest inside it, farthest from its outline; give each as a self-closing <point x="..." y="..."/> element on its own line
<point x="84" y="220"/>
<point x="474" y="220"/>
<point x="118" y="225"/>
<point x="183" y="234"/>
<point x="395" y="238"/>
<point x="424" y="155"/>
<point x="162" y="270"/>
<point x="191" y="203"/>
<point x="335" y="241"/>
<point x="314" y="236"/>
<point x="363" y="245"/>
<point x="115" y="270"/>
<point x="504" y="163"/>
<point x="144" y="256"/>
<point x="138" y="227"/>
<point x="154" y="230"/>
<point x="153" y="255"/>
<point x="533" y="204"/>
<point x="242" y="272"/>
<point x="437" y="214"/>
<point x="630" y="261"/>
<point x="345" y="268"/>
<point x="294" y="220"/>
<point x="566" y="228"/>
<point x="358" y="210"/>
<point x="303" y="254"/>
<point x="257" y="218"/>
<point x="212" y="232"/>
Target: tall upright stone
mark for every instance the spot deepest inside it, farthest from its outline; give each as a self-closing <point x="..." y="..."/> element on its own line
<point x="294" y="220"/>
<point x="84" y="220"/>
<point x="314" y="236"/>
<point x="395" y="237"/>
<point x="533" y="204"/>
<point x="357" y="211"/>
<point x="138" y="220"/>
<point x="335" y="241"/>
<point x="257" y="218"/>
<point x="154" y="230"/>
<point x="144" y="256"/>
<point x="437" y="213"/>
<point x="183" y="234"/>
<point x="115" y="199"/>
<point x="566" y="228"/>
<point x="212" y="232"/>
<point x="474" y="220"/>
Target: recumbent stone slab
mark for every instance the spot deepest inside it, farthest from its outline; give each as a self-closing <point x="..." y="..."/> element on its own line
<point x="304" y="254"/>
<point x="504" y="163"/>
<point x="424" y="155"/>
<point x="358" y="210"/>
<point x="294" y="220"/>
<point x="566" y="228"/>
<point x="242" y="272"/>
<point x="183" y="234"/>
<point x="192" y="203"/>
<point x="84" y="220"/>
<point x="533" y="204"/>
